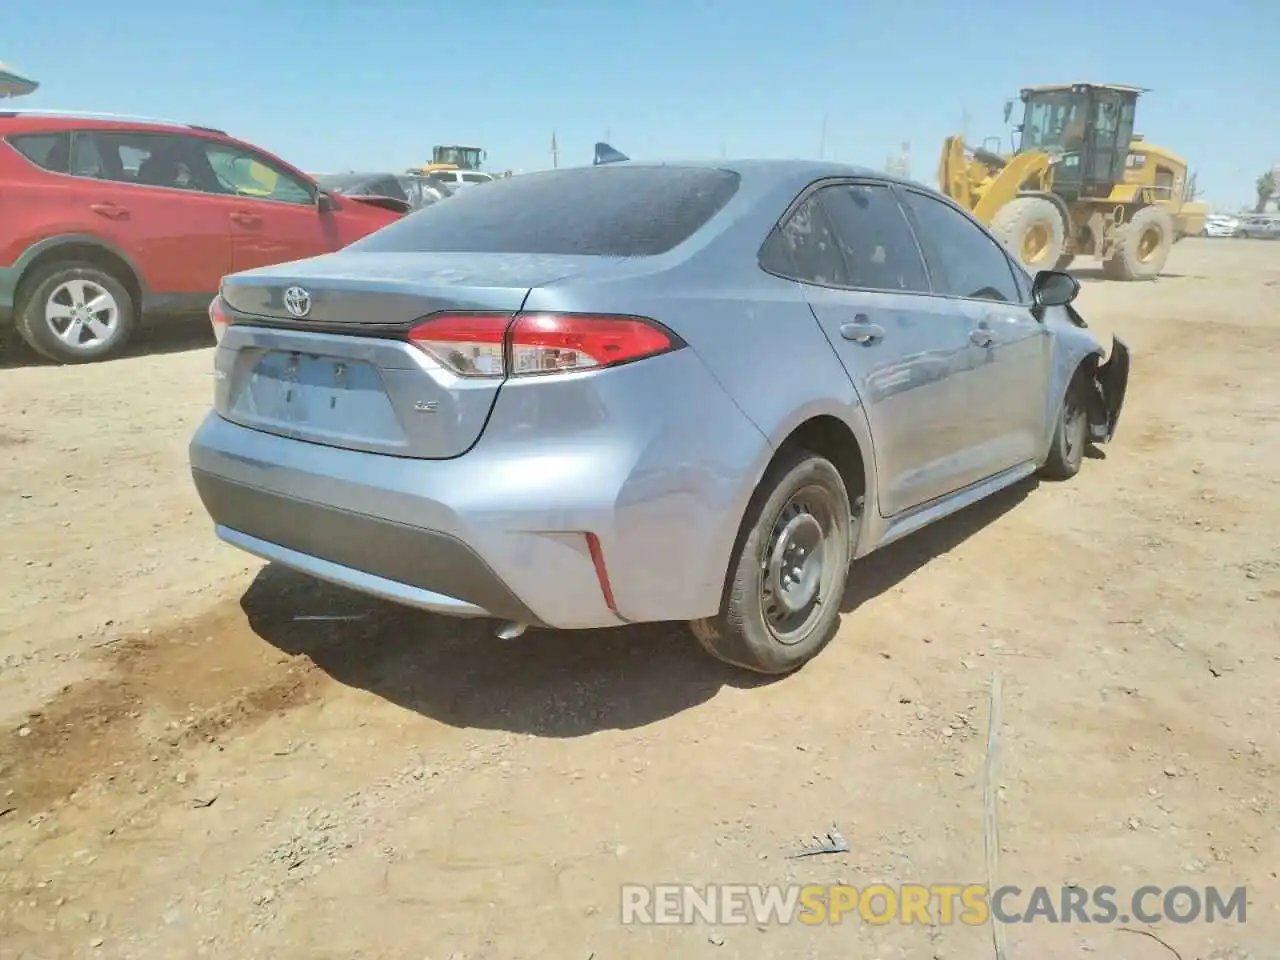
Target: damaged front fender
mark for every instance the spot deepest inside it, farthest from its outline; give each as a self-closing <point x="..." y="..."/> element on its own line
<point x="1111" y="380"/>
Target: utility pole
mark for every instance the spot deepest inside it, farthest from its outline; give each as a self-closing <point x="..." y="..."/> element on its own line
<point x="555" y="152"/>
<point x="822" y="139"/>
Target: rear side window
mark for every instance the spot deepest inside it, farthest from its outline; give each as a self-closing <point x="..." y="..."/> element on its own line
<point x="144" y="159"/>
<point x="607" y="211"/>
<point x="48" y="150"/>
<point x="804" y="248"/>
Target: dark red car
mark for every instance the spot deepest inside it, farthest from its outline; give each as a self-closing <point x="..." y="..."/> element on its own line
<point x="106" y="221"/>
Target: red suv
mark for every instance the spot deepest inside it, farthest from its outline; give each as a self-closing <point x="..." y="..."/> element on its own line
<point x="103" y="222"/>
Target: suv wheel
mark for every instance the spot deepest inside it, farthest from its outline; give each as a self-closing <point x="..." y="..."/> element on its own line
<point x="75" y="313"/>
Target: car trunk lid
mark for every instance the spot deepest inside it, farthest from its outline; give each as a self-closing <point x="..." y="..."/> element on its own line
<point x="338" y="369"/>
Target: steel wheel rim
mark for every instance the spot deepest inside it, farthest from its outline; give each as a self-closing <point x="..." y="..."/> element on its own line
<point x="1073" y="428"/>
<point x="79" y="308"/>
<point x="799" y="563"/>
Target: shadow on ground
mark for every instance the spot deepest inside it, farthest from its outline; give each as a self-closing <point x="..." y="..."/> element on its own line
<point x="889" y="566"/>
<point x="545" y="683"/>
<point x="164" y="336"/>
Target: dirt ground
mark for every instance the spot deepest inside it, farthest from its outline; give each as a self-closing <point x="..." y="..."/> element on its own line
<point x="189" y="769"/>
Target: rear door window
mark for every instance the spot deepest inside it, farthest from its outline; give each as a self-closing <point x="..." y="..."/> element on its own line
<point x="606" y="211"/>
<point x="86" y="161"/>
<point x="875" y="238"/>
<point x="963" y="260"/>
<point x="144" y="159"/>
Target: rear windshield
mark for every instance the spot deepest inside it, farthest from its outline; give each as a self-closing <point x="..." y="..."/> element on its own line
<point x="608" y="211"/>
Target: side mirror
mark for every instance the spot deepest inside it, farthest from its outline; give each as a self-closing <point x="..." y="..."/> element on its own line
<point x="1053" y="288"/>
<point x="324" y="202"/>
<point x="1008" y="110"/>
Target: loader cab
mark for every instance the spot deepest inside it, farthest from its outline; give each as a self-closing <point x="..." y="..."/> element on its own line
<point x="461" y="158"/>
<point x="1086" y="128"/>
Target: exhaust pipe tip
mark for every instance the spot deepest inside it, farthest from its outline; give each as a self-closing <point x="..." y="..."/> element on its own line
<point x="510" y="629"/>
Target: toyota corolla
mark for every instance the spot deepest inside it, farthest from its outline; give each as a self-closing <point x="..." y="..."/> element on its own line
<point x="639" y="392"/>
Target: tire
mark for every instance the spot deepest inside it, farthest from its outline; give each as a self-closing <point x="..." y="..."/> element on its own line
<point x="1032" y="229"/>
<point x="801" y="504"/>
<point x="1070" y="433"/>
<point x="1142" y="247"/>
<point x="60" y="288"/>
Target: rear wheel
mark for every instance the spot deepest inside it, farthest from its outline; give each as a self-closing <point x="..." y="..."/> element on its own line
<point x="75" y="312"/>
<point x="1142" y="247"/>
<point x="782" y="602"/>
<point x="1031" y="228"/>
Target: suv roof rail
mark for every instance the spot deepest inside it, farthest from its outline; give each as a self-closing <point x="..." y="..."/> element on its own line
<point x="89" y="115"/>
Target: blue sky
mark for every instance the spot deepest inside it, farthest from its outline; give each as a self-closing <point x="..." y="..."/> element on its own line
<point x="332" y="84"/>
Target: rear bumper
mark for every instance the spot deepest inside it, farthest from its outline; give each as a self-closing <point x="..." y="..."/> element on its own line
<point x="503" y="531"/>
<point x="406" y="530"/>
<point x="369" y="554"/>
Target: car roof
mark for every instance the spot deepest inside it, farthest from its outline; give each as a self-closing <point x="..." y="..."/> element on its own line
<point x="19" y="121"/>
<point x="53" y="121"/>
<point x="762" y="175"/>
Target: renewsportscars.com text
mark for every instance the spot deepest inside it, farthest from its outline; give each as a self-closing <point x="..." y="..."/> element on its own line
<point x="969" y="904"/>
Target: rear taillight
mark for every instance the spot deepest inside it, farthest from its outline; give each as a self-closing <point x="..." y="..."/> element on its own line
<point x="218" y="319"/>
<point x="469" y="344"/>
<point x="500" y="345"/>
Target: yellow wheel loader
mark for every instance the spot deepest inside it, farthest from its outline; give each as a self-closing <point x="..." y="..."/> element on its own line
<point x="1080" y="183"/>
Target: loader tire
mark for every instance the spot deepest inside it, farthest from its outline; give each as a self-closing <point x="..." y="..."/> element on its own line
<point x="1032" y="230"/>
<point x="1142" y="247"/>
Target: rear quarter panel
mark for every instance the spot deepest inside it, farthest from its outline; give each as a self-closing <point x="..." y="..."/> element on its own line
<point x="767" y="365"/>
<point x="34" y="205"/>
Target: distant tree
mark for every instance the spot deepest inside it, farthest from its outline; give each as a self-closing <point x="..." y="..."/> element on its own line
<point x="1266" y="188"/>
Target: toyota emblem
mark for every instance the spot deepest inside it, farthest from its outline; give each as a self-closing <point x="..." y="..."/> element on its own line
<point x="297" y="301"/>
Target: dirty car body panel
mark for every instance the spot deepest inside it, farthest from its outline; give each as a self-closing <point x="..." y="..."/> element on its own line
<point x="361" y="434"/>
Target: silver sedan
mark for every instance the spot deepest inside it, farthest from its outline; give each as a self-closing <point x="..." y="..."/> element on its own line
<point x="640" y="392"/>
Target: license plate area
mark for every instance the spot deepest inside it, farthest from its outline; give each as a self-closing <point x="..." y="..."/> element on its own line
<point x="330" y="397"/>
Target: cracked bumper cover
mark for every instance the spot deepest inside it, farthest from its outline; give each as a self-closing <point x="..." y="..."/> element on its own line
<point x="1112" y="379"/>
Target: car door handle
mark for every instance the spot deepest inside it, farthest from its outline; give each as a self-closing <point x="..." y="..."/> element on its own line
<point x="246" y="219"/>
<point x="862" y="331"/>
<point x="112" y="211"/>
<point x="982" y="336"/>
